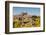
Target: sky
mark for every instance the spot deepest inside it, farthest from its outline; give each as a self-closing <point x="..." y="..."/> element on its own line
<point x="29" y="10"/>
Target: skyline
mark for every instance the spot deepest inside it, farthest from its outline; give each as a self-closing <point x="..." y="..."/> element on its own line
<point x="29" y="10"/>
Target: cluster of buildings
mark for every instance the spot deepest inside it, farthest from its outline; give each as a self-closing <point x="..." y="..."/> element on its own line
<point x="25" y="20"/>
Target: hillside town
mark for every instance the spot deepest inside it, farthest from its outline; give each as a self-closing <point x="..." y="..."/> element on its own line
<point x="25" y="20"/>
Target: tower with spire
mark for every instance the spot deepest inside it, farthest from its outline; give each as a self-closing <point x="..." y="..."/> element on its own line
<point x="24" y="13"/>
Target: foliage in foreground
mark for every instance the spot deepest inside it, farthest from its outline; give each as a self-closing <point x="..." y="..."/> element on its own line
<point x="27" y="22"/>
